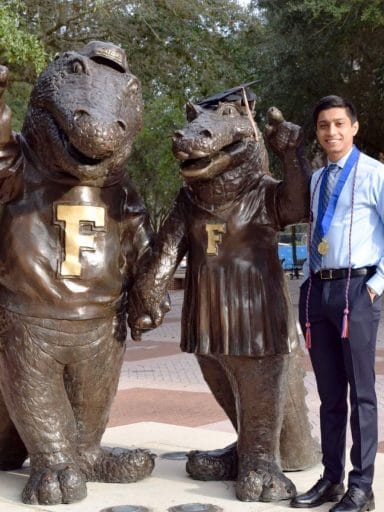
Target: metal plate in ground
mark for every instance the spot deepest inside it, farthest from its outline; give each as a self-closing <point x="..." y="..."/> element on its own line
<point x="126" y="508"/>
<point x="174" y="456"/>
<point x="196" y="507"/>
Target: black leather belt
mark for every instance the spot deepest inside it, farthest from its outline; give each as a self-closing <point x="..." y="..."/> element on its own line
<point x="342" y="273"/>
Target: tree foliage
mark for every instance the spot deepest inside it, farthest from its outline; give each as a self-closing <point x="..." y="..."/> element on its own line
<point x="317" y="47"/>
<point x="32" y="32"/>
<point x="181" y="48"/>
<point x="19" y="48"/>
<point x="178" y="48"/>
<point x="152" y="165"/>
<point x="298" y="50"/>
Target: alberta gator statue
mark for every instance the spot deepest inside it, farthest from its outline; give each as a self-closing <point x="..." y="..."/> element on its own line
<point x="237" y="316"/>
<point x="73" y="233"/>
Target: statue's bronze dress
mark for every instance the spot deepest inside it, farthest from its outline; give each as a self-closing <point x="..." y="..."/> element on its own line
<point x="229" y="308"/>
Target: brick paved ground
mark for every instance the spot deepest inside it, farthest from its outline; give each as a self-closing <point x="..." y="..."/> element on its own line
<point x="162" y="398"/>
<point x="160" y="383"/>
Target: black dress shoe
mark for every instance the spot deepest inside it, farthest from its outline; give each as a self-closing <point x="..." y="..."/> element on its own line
<point x="320" y="493"/>
<point x="355" y="500"/>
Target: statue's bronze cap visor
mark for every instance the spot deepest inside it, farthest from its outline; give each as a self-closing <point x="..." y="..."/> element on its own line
<point x="233" y="94"/>
<point x="106" y="51"/>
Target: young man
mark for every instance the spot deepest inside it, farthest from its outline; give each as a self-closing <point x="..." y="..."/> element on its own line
<point x="340" y="305"/>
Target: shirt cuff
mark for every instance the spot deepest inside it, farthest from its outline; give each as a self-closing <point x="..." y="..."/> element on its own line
<point x="376" y="283"/>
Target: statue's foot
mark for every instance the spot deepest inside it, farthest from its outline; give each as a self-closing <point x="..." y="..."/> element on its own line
<point x="260" y="480"/>
<point x="118" y="465"/>
<point x="60" y="483"/>
<point x="214" y="464"/>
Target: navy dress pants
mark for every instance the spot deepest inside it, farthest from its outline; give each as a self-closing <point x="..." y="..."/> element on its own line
<point x="342" y="366"/>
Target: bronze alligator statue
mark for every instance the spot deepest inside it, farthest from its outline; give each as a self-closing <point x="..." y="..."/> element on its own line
<point x="74" y="232"/>
<point x="237" y="316"/>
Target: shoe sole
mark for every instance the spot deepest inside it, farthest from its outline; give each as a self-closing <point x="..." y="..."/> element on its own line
<point x="330" y="499"/>
<point x="370" y="506"/>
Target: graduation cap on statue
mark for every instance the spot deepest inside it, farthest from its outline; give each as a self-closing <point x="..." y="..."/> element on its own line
<point x="238" y="93"/>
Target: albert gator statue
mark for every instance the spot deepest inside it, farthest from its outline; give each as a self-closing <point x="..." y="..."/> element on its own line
<point x="73" y="234"/>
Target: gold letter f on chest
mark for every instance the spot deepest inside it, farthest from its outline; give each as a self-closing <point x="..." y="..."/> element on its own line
<point x="214" y="237"/>
<point x="76" y="240"/>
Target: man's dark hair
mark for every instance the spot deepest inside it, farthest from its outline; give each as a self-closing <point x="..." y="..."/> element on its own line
<point x="334" y="102"/>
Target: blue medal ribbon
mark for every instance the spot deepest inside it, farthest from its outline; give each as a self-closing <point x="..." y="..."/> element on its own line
<point x="325" y="218"/>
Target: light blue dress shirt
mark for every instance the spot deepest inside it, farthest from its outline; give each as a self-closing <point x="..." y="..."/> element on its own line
<point x="367" y="236"/>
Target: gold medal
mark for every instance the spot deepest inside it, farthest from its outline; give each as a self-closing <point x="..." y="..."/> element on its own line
<point x="323" y="247"/>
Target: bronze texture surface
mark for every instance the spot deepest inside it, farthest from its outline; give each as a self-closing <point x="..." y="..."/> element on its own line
<point x="74" y="231"/>
<point x="237" y="317"/>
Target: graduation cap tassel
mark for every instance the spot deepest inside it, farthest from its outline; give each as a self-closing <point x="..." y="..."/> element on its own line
<point x="344" y="328"/>
<point x="308" y="337"/>
<point x="250" y="117"/>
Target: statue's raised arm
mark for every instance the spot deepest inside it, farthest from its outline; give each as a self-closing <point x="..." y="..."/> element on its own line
<point x="10" y="152"/>
<point x="5" y="111"/>
<point x="292" y="195"/>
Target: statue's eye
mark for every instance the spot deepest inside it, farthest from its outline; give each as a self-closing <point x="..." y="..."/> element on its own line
<point x="229" y="111"/>
<point x="78" y="67"/>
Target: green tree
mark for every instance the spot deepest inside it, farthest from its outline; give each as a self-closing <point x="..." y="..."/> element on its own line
<point x="152" y="165"/>
<point x="31" y="32"/>
<point x="23" y="53"/>
<point x="317" y="47"/>
<point x="19" y="48"/>
<point x="179" y="49"/>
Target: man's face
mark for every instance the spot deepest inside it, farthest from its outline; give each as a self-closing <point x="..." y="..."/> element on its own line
<point x="335" y="132"/>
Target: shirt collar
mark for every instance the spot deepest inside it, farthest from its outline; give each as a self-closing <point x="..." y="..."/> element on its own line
<point x="342" y="160"/>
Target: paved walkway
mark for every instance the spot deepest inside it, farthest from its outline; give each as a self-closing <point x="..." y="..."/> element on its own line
<point x="160" y="383"/>
<point x="164" y="405"/>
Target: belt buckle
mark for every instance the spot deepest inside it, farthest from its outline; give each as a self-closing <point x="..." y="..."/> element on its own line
<point x="326" y="273"/>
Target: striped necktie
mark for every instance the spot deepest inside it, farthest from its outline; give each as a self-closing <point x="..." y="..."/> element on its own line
<point x="330" y="177"/>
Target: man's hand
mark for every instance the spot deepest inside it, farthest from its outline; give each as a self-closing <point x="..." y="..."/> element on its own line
<point x="372" y="293"/>
<point x="280" y="134"/>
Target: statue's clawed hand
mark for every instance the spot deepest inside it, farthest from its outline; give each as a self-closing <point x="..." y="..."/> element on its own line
<point x="143" y="315"/>
<point x="281" y="135"/>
